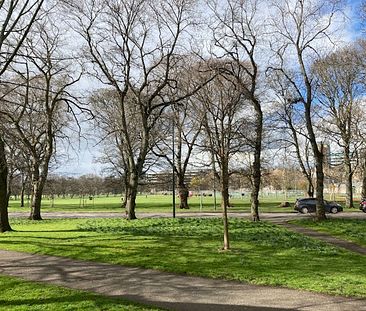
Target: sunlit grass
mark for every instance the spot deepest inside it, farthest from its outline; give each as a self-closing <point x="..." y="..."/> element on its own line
<point x="261" y="253"/>
<point x="158" y="203"/>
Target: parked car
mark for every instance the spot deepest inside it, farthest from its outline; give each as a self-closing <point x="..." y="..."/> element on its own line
<point x="363" y="205"/>
<point x="308" y="205"/>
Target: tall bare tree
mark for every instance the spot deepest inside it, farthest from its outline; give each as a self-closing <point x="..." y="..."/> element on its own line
<point x="39" y="103"/>
<point x="221" y="106"/>
<point x="108" y="119"/>
<point x="133" y="46"/>
<point x="341" y="88"/>
<point x="181" y="127"/>
<point x="237" y="27"/>
<point x="288" y="123"/>
<point x="301" y="28"/>
<point x="16" y="20"/>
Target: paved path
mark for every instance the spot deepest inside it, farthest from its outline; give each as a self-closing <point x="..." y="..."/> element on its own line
<point x="167" y="290"/>
<point x="326" y="237"/>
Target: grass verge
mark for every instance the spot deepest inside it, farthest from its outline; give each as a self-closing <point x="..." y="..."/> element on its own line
<point x="18" y="295"/>
<point x="261" y="253"/>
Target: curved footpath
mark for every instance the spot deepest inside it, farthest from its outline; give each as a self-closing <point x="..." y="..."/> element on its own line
<point x="167" y="290"/>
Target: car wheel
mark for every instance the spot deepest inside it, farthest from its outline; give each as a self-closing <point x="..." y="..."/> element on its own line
<point x="334" y="210"/>
<point x="304" y="210"/>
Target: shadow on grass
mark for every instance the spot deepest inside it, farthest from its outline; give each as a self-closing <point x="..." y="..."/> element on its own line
<point x="114" y="301"/>
<point x="54" y="300"/>
<point x="45" y="231"/>
<point x="149" y="287"/>
<point x="192" y="306"/>
<point x="263" y="254"/>
<point x="126" y="285"/>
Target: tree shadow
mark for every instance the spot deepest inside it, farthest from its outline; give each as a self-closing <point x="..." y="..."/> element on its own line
<point x="151" y="287"/>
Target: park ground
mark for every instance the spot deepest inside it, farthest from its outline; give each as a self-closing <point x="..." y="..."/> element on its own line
<point x="261" y="253"/>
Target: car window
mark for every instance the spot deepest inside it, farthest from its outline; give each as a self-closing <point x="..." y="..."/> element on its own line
<point x="311" y="201"/>
<point x="308" y="201"/>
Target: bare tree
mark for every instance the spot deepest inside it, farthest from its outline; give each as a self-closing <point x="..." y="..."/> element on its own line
<point x="340" y="77"/>
<point x="39" y="101"/>
<point x="300" y="30"/>
<point x="180" y="127"/>
<point x="133" y="46"/>
<point x="237" y="27"/>
<point x="108" y="119"/>
<point x="16" y="20"/>
<point x="363" y="173"/>
<point x="289" y="124"/>
<point x="5" y="225"/>
<point x="221" y="108"/>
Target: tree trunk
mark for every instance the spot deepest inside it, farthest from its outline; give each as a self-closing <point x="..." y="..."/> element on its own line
<point x="349" y="178"/>
<point x="124" y="201"/>
<point x="349" y="190"/>
<point x="310" y="190"/>
<point x="317" y="153"/>
<point x="320" y="210"/>
<point x="9" y="190"/>
<point x="131" y="194"/>
<point x="183" y="193"/>
<point x="4" y="216"/>
<point x="225" y="203"/>
<point x="304" y="171"/>
<point x="256" y="175"/>
<point x="22" y="193"/>
<point x="36" y="201"/>
<point x="363" y="190"/>
<point x="38" y="183"/>
<point x="124" y="198"/>
<point x="125" y="190"/>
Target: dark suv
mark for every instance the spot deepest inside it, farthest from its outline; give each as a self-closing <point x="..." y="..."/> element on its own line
<point x="308" y="205"/>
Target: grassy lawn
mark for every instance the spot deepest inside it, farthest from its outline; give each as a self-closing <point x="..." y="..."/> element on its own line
<point x="18" y="295"/>
<point x="353" y="230"/>
<point x="149" y="203"/>
<point x="261" y="253"/>
<point x="157" y="203"/>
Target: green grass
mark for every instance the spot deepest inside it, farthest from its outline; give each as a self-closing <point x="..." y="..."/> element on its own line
<point x="156" y="203"/>
<point x="353" y="230"/>
<point x="111" y="204"/>
<point x="261" y="253"/>
<point x="18" y="295"/>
